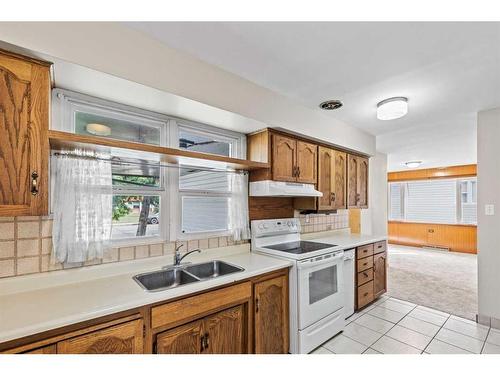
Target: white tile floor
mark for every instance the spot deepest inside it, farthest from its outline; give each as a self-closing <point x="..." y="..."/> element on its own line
<point x="393" y="326"/>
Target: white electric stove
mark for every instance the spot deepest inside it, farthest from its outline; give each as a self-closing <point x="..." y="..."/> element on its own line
<point x="316" y="281"/>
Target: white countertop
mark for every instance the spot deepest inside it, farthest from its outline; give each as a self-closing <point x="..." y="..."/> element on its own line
<point x="37" y="303"/>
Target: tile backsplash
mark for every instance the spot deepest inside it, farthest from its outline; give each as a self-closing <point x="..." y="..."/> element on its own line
<point x="26" y="243"/>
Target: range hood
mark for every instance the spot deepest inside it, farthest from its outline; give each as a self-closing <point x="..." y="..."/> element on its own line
<point x="268" y="188"/>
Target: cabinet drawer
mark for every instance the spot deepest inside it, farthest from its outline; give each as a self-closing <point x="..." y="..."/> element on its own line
<point x="365" y="276"/>
<point x="380" y="247"/>
<point x="365" y="294"/>
<point x="365" y="263"/>
<point x="364" y="251"/>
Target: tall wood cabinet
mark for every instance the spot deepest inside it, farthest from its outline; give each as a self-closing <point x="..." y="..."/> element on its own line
<point x="331" y="179"/>
<point x="271" y="316"/>
<point x="357" y="181"/>
<point x="24" y="121"/>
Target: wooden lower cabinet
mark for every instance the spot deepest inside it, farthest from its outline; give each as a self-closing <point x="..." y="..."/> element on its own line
<point x="371" y="273"/>
<point x="271" y="316"/>
<point x="220" y="333"/>
<point x="126" y="338"/>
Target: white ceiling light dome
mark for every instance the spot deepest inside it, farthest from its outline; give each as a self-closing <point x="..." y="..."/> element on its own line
<point x="413" y="164"/>
<point x="392" y="108"/>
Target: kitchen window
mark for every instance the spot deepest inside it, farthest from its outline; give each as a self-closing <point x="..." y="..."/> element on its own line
<point x="440" y="201"/>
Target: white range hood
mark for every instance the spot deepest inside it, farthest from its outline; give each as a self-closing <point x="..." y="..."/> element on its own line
<point x="268" y="188"/>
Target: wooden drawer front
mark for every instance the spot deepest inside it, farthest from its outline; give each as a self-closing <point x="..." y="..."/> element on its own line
<point x="365" y="294"/>
<point x="380" y="247"/>
<point x="364" y="251"/>
<point x="185" y="309"/>
<point x="365" y="276"/>
<point x="365" y="263"/>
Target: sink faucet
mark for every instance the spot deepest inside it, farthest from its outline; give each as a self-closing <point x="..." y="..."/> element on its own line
<point x="177" y="256"/>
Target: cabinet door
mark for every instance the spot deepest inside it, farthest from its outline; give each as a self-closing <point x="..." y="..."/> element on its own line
<point x="362" y="182"/>
<point x="307" y="162"/>
<point x="284" y="158"/>
<point x="186" y="339"/>
<point x="326" y="170"/>
<point x="123" y="338"/>
<point x="339" y="180"/>
<point x="271" y="316"/>
<point x="24" y="150"/>
<point x="224" y="332"/>
<point x="352" y="181"/>
<point x="49" y="349"/>
<point x="379" y="274"/>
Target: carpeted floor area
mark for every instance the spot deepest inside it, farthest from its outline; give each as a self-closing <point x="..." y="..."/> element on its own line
<point x="442" y="280"/>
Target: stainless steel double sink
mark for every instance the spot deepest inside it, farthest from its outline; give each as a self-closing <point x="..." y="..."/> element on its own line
<point x="176" y="276"/>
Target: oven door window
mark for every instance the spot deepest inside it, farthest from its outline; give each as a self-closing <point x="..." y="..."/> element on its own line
<point x="323" y="284"/>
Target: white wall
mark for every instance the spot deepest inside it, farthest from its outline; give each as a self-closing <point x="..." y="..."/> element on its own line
<point x="121" y="51"/>
<point x="374" y="219"/>
<point x="488" y="233"/>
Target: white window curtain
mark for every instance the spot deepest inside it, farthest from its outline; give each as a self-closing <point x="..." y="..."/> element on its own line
<point x="82" y="205"/>
<point x="238" y="207"/>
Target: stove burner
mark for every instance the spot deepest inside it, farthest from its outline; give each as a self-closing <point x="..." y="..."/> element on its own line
<point x="299" y="247"/>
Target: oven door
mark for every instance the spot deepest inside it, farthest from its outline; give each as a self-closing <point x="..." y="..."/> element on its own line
<point x="320" y="287"/>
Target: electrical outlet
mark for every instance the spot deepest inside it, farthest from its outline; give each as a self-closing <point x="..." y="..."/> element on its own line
<point x="489" y="209"/>
<point x="308" y="219"/>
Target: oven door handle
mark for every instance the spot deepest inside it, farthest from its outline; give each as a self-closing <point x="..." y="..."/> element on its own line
<point x="308" y="264"/>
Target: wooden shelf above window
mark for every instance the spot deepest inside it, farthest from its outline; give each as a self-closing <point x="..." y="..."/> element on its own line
<point x="64" y="141"/>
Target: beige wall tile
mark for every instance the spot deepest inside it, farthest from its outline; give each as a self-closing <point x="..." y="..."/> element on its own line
<point x="28" y="229"/>
<point x="203" y="244"/>
<point x="46" y="228"/>
<point x="112" y="255"/>
<point x="169" y="248"/>
<point x="46" y="246"/>
<point x="54" y="265"/>
<point x="26" y="248"/>
<point x="6" y="249"/>
<point x="28" y="265"/>
<point x="222" y="241"/>
<point x="126" y="253"/>
<point x="7" y="268"/>
<point x="6" y="231"/>
<point x="213" y="242"/>
<point x="141" y="252"/>
<point x="92" y="262"/>
<point x="156" y="250"/>
<point x="44" y="263"/>
<point x="192" y="245"/>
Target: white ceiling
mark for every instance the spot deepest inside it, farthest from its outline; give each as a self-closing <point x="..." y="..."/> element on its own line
<point x="449" y="71"/>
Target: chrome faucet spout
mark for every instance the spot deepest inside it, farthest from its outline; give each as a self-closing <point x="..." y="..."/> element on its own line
<point x="178" y="258"/>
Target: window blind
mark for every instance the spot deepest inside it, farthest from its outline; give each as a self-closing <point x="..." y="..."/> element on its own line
<point x="395" y="201"/>
<point x="432" y="201"/>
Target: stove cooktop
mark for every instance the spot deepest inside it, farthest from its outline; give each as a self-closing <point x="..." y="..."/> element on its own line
<point x="299" y="247"/>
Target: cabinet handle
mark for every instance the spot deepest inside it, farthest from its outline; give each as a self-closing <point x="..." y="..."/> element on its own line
<point x="294" y="171"/>
<point x="333" y="197"/>
<point x="202" y="341"/>
<point x="257" y="305"/>
<point x="364" y="295"/>
<point x="365" y="274"/>
<point x="366" y="263"/>
<point x="298" y="171"/>
<point x="34" y="183"/>
<point x="207" y="340"/>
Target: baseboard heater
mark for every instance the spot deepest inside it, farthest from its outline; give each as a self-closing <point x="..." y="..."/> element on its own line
<point x="436" y="248"/>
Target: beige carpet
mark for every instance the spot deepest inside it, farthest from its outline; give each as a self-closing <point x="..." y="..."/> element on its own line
<point x="442" y="280"/>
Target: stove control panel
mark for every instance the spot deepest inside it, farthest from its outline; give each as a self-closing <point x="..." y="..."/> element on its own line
<point x="275" y="226"/>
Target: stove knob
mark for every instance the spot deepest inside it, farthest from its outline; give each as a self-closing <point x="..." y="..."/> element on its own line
<point x="290" y="223"/>
<point x="265" y="226"/>
<point x="261" y="226"/>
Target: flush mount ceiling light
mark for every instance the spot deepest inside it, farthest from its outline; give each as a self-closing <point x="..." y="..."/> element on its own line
<point x="413" y="164"/>
<point x="392" y="108"/>
<point x="331" y="104"/>
<point x="98" y="129"/>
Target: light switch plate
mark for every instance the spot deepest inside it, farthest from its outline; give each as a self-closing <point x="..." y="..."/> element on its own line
<point x="489" y="209"/>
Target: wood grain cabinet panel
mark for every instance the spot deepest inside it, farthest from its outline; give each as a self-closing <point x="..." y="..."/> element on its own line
<point x="24" y="150"/>
<point x="126" y="338"/>
<point x="307" y="162"/>
<point x="326" y="177"/>
<point x="339" y="176"/>
<point x="186" y="339"/>
<point x="271" y="316"/>
<point x="379" y="274"/>
<point x="357" y="181"/>
<point x="365" y="294"/>
<point x="284" y="161"/>
<point x="49" y="349"/>
<point x="224" y="332"/>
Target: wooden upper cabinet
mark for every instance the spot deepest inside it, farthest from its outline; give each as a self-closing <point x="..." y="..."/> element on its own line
<point x="326" y="177"/>
<point x="339" y="180"/>
<point x="24" y="149"/>
<point x="186" y="339"/>
<point x="126" y="338"/>
<point x="379" y="274"/>
<point x="357" y="181"/>
<point x="284" y="158"/>
<point x="307" y="161"/>
<point x="271" y="316"/>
